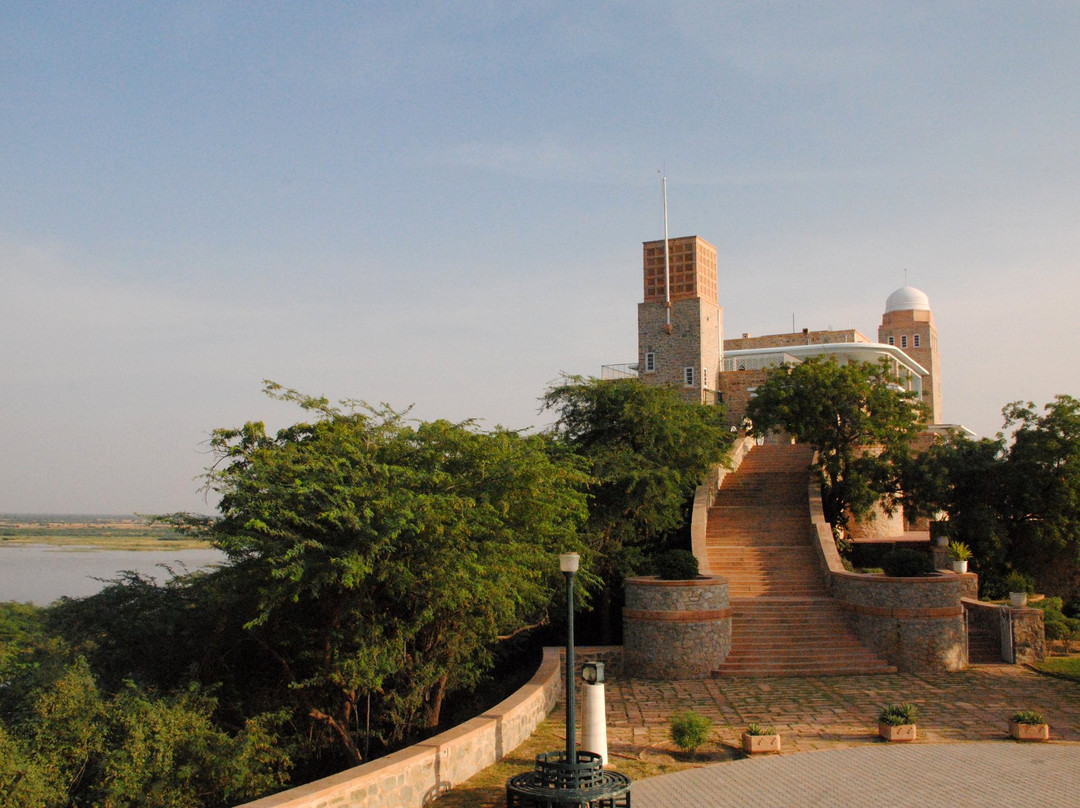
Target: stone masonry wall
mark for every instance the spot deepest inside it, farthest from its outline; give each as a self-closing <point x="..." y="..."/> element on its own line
<point x="676" y="629"/>
<point x="412" y="777"/>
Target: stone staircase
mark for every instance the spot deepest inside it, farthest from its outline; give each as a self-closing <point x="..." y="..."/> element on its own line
<point x="784" y="623"/>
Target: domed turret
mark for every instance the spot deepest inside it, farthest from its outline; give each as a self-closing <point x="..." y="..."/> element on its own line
<point x="907" y="298"/>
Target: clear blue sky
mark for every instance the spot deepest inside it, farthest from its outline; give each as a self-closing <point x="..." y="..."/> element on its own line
<point x="443" y="204"/>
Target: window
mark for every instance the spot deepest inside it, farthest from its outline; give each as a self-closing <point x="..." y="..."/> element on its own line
<point x="650" y="362"/>
<point x="903" y="341"/>
<point x="917" y="341"/>
<point x="688" y="376"/>
<point x="892" y="340"/>
<point x="705" y="378"/>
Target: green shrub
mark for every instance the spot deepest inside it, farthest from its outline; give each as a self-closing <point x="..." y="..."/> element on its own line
<point x="1028" y="717"/>
<point x="689" y="730"/>
<point x="897" y="715"/>
<point x="906" y="564"/>
<point x="676" y="565"/>
<point x="758" y="729"/>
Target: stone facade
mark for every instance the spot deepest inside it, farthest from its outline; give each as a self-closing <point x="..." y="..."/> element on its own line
<point x="913" y="331"/>
<point x="686" y="352"/>
<point x="676" y="629"/>
<point x="804" y="337"/>
<point x="1028" y="634"/>
<point x="915" y="623"/>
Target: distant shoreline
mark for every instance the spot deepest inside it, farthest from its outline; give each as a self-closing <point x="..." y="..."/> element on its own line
<point x="105" y="532"/>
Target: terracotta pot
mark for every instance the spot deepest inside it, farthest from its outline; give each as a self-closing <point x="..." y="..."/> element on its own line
<point x="755" y="744"/>
<point x="896" y="733"/>
<point x="1029" y="732"/>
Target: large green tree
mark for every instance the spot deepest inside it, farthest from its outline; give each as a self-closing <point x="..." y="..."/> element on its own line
<point x="856" y="416"/>
<point x="387" y="557"/>
<point x="647" y="450"/>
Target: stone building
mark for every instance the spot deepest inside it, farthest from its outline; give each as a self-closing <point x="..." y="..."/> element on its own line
<point x="681" y="342"/>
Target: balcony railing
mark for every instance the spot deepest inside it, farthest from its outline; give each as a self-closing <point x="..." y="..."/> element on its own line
<point x="759" y="361"/>
<point x="625" y="371"/>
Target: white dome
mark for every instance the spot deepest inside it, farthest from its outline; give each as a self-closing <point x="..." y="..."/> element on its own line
<point x="907" y="299"/>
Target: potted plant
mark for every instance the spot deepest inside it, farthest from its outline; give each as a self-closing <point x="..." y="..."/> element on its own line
<point x="758" y="739"/>
<point x="1019" y="586"/>
<point x="939" y="532"/>
<point x="1029" y="725"/>
<point x="897" y="722"/>
<point x="959" y="553"/>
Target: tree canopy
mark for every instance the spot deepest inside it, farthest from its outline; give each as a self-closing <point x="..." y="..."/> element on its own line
<point x="857" y="417"/>
<point x="386" y="557"/>
<point x="1015" y="499"/>
<point x="647" y="450"/>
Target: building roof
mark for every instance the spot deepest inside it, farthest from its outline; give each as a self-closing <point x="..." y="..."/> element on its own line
<point x="907" y="298"/>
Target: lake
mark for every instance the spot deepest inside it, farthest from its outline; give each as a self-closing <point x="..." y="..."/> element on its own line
<point x="41" y="573"/>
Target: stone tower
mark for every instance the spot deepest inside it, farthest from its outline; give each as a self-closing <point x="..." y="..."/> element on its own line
<point x="909" y="325"/>
<point x="680" y="331"/>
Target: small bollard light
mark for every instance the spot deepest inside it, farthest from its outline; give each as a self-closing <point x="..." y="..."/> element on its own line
<point x="593" y="672"/>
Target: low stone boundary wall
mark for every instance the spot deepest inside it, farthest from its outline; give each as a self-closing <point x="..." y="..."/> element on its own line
<point x="676" y="629"/>
<point x="917" y="624"/>
<point x="412" y="777"/>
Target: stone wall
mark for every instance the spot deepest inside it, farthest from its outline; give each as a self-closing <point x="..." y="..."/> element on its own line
<point x="412" y="777"/>
<point x="676" y="629"/>
<point x="1029" y="634"/>
<point x="917" y="624"/>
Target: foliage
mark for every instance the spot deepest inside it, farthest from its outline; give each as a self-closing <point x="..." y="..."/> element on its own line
<point x="959" y="551"/>
<point x="689" y="730"/>
<point x="898" y="715"/>
<point x="647" y="450"/>
<point x="384" y="558"/>
<point x="903" y="563"/>
<point x="1028" y="717"/>
<point x="1015" y="502"/>
<point x="758" y="729"/>
<point x="1018" y="582"/>
<point x="854" y="414"/>
<point x="63" y="741"/>
<point x="676" y="565"/>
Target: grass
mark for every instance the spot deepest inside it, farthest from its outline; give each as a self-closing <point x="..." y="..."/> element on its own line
<point x="93" y="533"/>
<point x="1065" y="667"/>
<point x="487" y="789"/>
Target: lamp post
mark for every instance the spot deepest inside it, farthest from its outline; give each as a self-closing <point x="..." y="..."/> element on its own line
<point x="568" y="563"/>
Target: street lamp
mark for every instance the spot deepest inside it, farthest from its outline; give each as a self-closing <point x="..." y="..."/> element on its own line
<point x="568" y="563"/>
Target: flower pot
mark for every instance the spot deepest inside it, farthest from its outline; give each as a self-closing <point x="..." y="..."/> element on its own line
<point x="1029" y="732"/>
<point x="756" y="744"/>
<point x="959" y="566"/>
<point x="896" y="733"/>
<point x="1018" y="598"/>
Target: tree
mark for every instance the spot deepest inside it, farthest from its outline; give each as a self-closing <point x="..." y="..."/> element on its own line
<point x="1042" y="500"/>
<point x="647" y="450"/>
<point x="387" y="557"/>
<point x="860" y="421"/>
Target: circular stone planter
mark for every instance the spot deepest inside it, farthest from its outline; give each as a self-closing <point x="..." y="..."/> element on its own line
<point x="676" y="629"/>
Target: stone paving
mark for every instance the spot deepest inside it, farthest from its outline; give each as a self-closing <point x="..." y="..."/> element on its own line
<point x="837" y="716"/>
<point x="829" y="712"/>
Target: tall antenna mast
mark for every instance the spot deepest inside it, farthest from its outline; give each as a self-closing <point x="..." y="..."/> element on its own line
<point x="667" y="259"/>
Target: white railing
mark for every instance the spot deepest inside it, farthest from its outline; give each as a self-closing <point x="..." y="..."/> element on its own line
<point x="625" y="371"/>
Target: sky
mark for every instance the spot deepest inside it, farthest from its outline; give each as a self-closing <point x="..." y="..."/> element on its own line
<point x="441" y="205"/>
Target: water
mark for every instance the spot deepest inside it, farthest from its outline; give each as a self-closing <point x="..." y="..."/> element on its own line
<point x="40" y="573"/>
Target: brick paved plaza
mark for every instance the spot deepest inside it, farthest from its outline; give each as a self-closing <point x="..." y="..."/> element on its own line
<point x="837" y="711"/>
<point x="837" y="716"/>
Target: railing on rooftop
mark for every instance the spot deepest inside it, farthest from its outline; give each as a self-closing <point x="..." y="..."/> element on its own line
<point x="759" y="361"/>
<point x="625" y="371"/>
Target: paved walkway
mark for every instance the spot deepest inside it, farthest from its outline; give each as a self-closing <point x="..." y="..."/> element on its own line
<point x="978" y="775"/>
<point x="836" y="718"/>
